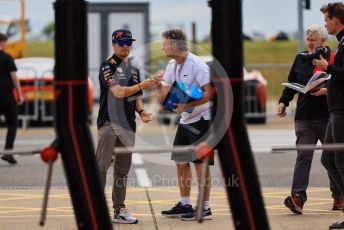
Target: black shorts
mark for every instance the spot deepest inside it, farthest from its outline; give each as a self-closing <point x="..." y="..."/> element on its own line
<point x="191" y="134"/>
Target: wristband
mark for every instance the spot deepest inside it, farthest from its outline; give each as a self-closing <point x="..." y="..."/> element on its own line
<point x="140" y="86"/>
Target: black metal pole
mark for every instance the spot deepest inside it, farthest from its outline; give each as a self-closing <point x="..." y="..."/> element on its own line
<point x="194" y="39"/>
<point x="74" y="135"/>
<point x="234" y="149"/>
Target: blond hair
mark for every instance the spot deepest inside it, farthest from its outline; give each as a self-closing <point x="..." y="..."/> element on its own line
<point x="316" y="29"/>
<point x="177" y="36"/>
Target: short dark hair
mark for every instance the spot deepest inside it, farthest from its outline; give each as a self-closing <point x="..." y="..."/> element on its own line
<point x="177" y="36"/>
<point x="3" y="37"/>
<point x="335" y="9"/>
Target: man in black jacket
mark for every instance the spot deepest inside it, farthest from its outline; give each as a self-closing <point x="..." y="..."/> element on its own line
<point x="310" y="120"/>
<point x="333" y="160"/>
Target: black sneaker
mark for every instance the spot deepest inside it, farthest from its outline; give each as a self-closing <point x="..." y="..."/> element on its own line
<point x="178" y="210"/>
<point x="207" y="215"/>
<point x="10" y="159"/>
<point x="339" y="224"/>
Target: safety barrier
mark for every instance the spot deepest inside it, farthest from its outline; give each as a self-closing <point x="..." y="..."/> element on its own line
<point x="38" y="94"/>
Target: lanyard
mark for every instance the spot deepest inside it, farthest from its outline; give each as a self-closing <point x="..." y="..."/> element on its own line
<point x="177" y="77"/>
<point x="341" y="43"/>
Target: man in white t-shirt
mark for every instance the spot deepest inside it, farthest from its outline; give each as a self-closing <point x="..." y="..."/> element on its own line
<point x="188" y="68"/>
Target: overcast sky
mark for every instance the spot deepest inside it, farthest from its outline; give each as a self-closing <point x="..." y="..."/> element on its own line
<point x="266" y="16"/>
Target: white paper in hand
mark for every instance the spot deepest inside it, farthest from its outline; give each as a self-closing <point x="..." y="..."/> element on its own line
<point x="318" y="78"/>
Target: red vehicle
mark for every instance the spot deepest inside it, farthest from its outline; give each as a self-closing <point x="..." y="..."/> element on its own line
<point x="37" y="84"/>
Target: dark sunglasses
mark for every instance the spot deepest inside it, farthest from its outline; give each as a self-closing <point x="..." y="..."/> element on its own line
<point x="171" y="35"/>
<point x="121" y="43"/>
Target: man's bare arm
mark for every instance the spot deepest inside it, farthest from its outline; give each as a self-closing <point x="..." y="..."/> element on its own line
<point x="162" y="92"/>
<point x="127" y="91"/>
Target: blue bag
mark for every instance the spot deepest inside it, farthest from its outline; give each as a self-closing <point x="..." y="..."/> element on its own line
<point x="181" y="92"/>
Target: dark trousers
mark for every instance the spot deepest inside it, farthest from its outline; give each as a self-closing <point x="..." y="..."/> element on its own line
<point x="307" y="132"/>
<point x="333" y="160"/>
<point x="9" y="108"/>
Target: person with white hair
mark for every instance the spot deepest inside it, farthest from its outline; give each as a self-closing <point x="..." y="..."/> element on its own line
<point x="310" y="120"/>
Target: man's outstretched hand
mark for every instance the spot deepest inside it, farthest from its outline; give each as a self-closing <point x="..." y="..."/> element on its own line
<point x="146" y="116"/>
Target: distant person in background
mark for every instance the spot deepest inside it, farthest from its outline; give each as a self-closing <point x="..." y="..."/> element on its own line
<point x="8" y="103"/>
<point x="311" y="119"/>
<point x="333" y="160"/>
<point x="255" y="83"/>
<point x="254" y="75"/>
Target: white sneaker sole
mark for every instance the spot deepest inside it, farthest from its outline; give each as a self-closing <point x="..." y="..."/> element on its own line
<point x="120" y="221"/>
<point x="194" y="218"/>
<point x="173" y="215"/>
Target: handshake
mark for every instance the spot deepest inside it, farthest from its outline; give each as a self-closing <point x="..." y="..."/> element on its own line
<point x="155" y="80"/>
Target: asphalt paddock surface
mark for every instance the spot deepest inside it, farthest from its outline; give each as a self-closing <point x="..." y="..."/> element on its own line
<point x="20" y="209"/>
<point x="152" y="184"/>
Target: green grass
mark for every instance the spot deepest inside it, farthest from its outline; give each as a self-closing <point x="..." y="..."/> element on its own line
<point x="271" y="52"/>
<point x="278" y="52"/>
<point x="39" y="49"/>
<point x="255" y="52"/>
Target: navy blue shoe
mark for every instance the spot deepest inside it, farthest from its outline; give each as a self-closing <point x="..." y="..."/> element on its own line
<point x="339" y="224"/>
<point x="178" y="210"/>
<point x="207" y="215"/>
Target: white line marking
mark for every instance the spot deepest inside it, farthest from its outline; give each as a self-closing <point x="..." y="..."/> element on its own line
<point x="29" y="142"/>
<point x="137" y="159"/>
<point x="165" y="135"/>
<point x="142" y="178"/>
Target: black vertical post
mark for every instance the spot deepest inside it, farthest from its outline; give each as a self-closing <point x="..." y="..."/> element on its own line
<point x="194" y="38"/>
<point x="234" y="148"/>
<point x="75" y="140"/>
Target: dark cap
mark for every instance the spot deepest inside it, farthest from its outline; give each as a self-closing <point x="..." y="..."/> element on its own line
<point x="121" y="34"/>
